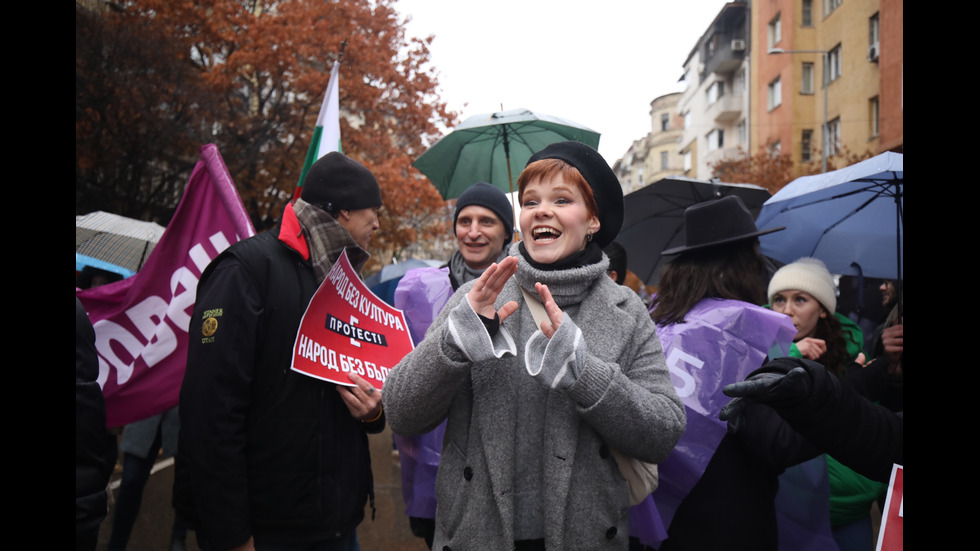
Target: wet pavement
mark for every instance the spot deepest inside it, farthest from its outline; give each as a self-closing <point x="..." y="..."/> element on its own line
<point x="388" y="532"/>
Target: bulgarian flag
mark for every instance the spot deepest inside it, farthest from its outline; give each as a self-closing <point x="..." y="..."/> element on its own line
<point x="326" y="137"/>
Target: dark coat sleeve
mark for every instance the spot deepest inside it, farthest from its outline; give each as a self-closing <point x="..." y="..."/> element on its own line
<point x="834" y="417"/>
<point x="95" y="448"/>
<point x="214" y="402"/>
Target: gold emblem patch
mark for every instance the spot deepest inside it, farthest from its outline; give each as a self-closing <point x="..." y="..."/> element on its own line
<point x="209" y="326"/>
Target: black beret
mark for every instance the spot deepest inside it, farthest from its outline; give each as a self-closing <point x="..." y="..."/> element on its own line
<point x="605" y="186"/>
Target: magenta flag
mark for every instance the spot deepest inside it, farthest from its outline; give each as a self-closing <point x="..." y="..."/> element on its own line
<point x="141" y="322"/>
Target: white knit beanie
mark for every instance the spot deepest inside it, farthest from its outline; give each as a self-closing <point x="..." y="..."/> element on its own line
<point x="808" y="275"/>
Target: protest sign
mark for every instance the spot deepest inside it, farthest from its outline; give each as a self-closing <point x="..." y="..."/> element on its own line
<point x="891" y="535"/>
<point x="347" y="329"/>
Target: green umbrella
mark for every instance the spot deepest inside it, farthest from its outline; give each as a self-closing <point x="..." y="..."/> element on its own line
<point x="494" y="148"/>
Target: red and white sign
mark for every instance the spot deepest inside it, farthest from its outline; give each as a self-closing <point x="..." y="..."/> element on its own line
<point x="347" y="329"/>
<point x="891" y="535"/>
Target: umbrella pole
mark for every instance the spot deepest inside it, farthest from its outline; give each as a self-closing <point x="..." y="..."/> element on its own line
<point x="898" y="240"/>
<point x="510" y="178"/>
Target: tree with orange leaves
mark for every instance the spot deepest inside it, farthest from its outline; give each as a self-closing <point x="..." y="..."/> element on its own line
<point x="773" y="170"/>
<point x="265" y="65"/>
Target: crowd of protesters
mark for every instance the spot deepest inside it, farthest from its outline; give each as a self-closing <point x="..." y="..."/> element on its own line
<point x="537" y="378"/>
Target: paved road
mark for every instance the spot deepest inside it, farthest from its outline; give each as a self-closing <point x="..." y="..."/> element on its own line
<point x="388" y="532"/>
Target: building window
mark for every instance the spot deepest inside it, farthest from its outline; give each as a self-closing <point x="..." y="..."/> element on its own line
<point x="664" y="160"/>
<point x="775" y="148"/>
<point x="873" y="37"/>
<point x="665" y="122"/>
<point x="833" y="137"/>
<point x="775" y="31"/>
<point x="716" y="139"/>
<point x="687" y="161"/>
<point x="806" y="13"/>
<point x="873" y="115"/>
<point x="829" y="6"/>
<point x="806" y="78"/>
<point x="775" y="94"/>
<point x="834" y="64"/>
<point x="741" y="83"/>
<point x="806" y="146"/>
<point x="715" y="91"/>
<point x="743" y="133"/>
<point x="687" y="120"/>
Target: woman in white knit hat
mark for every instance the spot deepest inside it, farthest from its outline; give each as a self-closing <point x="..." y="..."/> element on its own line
<point x="805" y="291"/>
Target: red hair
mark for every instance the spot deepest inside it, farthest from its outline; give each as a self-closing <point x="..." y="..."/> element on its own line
<point x="549" y="169"/>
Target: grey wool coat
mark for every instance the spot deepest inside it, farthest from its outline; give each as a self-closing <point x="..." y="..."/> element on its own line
<point x="620" y="396"/>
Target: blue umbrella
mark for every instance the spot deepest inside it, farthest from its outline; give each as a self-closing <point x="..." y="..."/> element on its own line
<point x="851" y="219"/>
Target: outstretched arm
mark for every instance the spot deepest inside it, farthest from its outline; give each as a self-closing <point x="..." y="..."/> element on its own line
<point x="860" y="434"/>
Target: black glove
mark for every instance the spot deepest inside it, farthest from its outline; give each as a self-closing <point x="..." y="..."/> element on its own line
<point x="766" y="386"/>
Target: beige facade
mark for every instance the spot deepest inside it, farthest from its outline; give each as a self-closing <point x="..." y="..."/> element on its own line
<point x="840" y="43"/>
<point x="655" y="155"/>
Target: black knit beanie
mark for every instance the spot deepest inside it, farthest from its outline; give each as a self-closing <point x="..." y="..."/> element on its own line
<point x="337" y="182"/>
<point x="605" y="186"/>
<point x="488" y="196"/>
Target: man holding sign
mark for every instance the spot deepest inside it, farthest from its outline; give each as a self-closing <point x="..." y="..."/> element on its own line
<point x="270" y="456"/>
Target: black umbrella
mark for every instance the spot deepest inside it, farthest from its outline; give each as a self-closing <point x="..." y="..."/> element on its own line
<point x="654" y="218"/>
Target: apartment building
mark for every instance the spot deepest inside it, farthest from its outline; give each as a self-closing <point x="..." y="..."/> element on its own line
<point x="715" y="105"/>
<point x="820" y="62"/>
<point x="769" y="74"/>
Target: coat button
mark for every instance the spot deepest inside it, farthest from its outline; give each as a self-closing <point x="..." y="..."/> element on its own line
<point x="604" y="451"/>
<point x="611" y="533"/>
<point x="468" y="473"/>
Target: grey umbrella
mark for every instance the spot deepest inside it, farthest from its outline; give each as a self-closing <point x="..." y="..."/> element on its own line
<point x="118" y="240"/>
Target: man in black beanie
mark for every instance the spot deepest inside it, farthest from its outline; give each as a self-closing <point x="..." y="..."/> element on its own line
<point x="268" y="456"/>
<point x="484" y="225"/>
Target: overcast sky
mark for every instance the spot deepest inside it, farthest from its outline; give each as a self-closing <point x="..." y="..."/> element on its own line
<point x="598" y="63"/>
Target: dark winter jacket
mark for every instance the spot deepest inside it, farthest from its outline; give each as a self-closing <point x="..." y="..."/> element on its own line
<point x="95" y="448"/>
<point x="737" y="491"/>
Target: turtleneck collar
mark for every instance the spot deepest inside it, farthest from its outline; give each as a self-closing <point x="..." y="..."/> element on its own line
<point x="568" y="285"/>
<point x="591" y="254"/>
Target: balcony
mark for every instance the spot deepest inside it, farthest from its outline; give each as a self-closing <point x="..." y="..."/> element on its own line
<point x="726" y="44"/>
<point x="726" y="109"/>
<point x="721" y="154"/>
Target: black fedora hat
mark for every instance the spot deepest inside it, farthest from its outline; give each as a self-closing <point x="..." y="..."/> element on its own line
<point x="717" y="222"/>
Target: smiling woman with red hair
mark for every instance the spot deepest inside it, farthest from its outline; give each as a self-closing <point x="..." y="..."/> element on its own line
<point x="534" y="409"/>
